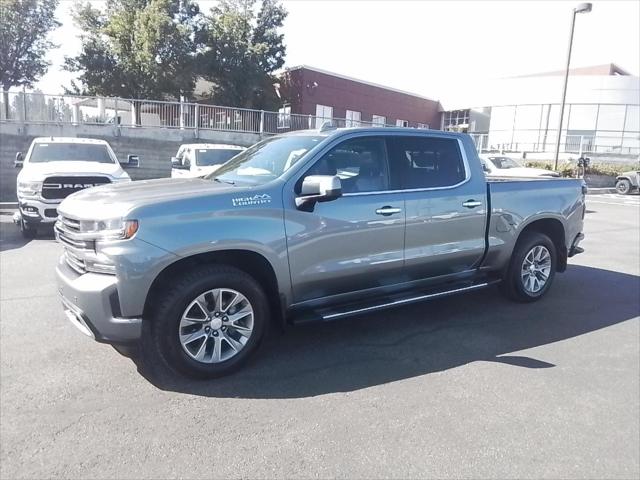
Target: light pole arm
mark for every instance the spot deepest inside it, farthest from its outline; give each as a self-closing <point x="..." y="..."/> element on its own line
<point x="564" y="90"/>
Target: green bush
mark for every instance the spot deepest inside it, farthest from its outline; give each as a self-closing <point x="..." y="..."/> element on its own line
<point x="567" y="169"/>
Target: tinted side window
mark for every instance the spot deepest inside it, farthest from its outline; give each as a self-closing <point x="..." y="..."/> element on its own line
<point x="360" y="163"/>
<point x="424" y="162"/>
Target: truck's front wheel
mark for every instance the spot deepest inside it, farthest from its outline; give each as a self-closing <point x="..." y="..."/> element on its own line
<point x="532" y="268"/>
<point x="28" y="231"/>
<point x="208" y="322"/>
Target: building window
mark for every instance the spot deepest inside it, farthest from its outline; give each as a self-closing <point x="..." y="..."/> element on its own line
<point x="424" y="126"/>
<point x="378" y="120"/>
<point x="456" y="121"/>
<point x="284" y="117"/>
<point x="352" y="119"/>
<point x="402" y="123"/>
<point x="323" y="114"/>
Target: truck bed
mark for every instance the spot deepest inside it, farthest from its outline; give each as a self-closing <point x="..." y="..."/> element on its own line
<point x="515" y="203"/>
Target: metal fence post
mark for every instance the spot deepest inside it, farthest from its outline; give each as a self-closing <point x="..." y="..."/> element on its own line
<point x="196" y="114"/>
<point x="580" y="148"/>
<point x="24" y="106"/>
<point x="261" y="122"/>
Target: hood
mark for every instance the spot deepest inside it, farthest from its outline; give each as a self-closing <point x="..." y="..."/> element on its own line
<point x="196" y="172"/>
<point x="117" y="199"/>
<point x="39" y="171"/>
<point x="524" y="172"/>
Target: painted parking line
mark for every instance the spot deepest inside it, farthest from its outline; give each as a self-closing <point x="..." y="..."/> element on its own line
<point x="625" y="202"/>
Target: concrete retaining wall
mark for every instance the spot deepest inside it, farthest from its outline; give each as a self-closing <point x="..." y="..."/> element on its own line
<point x="154" y="146"/>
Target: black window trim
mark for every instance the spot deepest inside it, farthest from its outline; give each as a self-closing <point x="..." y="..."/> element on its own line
<point x="349" y="139"/>
<point x="467" y="175"/>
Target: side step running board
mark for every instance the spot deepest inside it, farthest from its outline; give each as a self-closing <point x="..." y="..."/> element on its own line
<point x="356" y="308"/>
<point x="405" y="301"/>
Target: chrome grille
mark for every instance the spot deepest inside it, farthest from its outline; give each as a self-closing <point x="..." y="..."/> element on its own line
<point x="74" y="261"/>
<point x="75" y="249"/>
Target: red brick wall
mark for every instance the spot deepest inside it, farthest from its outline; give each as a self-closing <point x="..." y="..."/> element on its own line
<point x="343" y="94"/>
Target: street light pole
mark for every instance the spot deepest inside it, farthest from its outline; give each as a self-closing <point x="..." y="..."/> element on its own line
<point x="582" y="8"/>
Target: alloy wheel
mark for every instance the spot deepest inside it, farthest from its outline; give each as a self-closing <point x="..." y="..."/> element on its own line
<point x="216" y="325"/>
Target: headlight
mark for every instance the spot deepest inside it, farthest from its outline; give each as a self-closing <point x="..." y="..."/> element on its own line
<point x="111" y="229"/>
<point x="29" y="188"/>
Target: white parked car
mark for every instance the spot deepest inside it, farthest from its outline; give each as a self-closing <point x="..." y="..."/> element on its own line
<point x="501" y="166"/>
<point x="199" y="159"/>
<point x="56" y="167"/>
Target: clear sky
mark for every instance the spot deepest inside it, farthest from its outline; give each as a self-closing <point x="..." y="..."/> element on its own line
<point x="432" y="47"/>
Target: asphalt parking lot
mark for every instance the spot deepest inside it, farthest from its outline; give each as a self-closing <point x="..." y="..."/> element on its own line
<point x="471" y="386"/>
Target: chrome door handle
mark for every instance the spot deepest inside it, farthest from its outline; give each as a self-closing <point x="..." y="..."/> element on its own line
<point x="471" y="204"/>
<point x="386" y="211"/>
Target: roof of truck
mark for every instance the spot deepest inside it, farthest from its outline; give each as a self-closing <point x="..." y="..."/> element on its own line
<point x="94" y="141"/>
<point x="332" y="131"/>
<point x="212" y="146"/>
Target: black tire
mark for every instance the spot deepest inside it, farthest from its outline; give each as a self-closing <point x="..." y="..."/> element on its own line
<point x="28" y="231"/>
<point x="623" y="186"/>
<point x="160" y="340"/>
<point x="513" y="285"/>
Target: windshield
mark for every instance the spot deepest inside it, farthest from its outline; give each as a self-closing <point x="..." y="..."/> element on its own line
<point x="210" y="157"/>
<point x="69" y="152"/>
<point x="266" y="161"/>
<point x="504" y="163"/>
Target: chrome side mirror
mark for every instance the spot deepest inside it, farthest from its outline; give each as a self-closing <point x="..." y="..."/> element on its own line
<point x="318" y="188"/>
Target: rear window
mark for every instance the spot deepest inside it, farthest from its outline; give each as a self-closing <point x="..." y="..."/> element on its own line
<point x="69" y="152"/>
<point x="218" y="156"/>
<point x="425" y="162"/>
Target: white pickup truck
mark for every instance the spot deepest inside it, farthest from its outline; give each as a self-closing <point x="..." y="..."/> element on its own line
<point x="56" y="167"/>
<point x="200" y="159"/>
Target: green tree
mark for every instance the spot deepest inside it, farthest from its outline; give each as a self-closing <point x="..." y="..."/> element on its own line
<point x="241" y="50"/>
<point x="140" y="49"/>
<point x="24" y="28"/>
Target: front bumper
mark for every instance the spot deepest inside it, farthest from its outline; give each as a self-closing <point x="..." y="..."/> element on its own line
<point x="33" y="210"/>
<point x="90" y="301"/>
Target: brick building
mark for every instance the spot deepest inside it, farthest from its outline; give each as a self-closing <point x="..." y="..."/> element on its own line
<point x="311" y="91"/>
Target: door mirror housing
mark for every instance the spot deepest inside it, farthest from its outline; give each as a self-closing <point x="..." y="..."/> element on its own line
<point x="175" y="162"/>
<point x="133" y="161"/>
<point x="318" y="188"/>
<point x="19" y="162"/>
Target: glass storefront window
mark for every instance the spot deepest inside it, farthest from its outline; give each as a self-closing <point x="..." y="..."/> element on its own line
<point x="632" y="123"/>
<point x="611" y="117"/>
<point x="502" y="118"/>
<point x="528" y="117"/>
<point x="583" y="117"/>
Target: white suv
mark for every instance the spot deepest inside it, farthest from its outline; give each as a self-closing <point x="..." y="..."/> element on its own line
<point x="56" y="167"/>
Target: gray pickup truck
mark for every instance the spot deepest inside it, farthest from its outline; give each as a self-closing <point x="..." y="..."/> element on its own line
<point x="309" y="226"/>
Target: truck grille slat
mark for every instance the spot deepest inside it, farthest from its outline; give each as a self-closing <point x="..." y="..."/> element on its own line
<point x="74" y="262"/>
<point x="74" y="248"/>
<point x="58" y="187"/>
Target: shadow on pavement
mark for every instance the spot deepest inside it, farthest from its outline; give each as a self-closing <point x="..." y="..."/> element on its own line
<point x="422" y="339"/>
<point x="11" y="237"/>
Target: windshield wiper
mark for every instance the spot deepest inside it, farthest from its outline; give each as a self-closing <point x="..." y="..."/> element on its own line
<point x="230" y="182"/>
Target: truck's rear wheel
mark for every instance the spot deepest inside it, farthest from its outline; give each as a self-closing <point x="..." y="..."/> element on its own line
<point x="208" y="322"/>
<point x="532" y="268"/>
